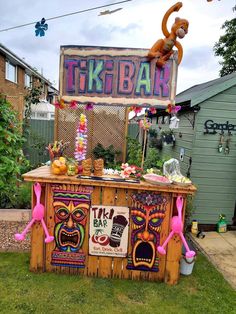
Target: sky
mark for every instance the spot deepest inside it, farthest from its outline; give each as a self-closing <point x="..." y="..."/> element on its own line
<point x="137" y="25"/>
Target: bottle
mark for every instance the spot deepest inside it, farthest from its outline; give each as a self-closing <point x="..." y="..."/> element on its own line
<point x="221" y="224"/>
<point x="194" y="228"/>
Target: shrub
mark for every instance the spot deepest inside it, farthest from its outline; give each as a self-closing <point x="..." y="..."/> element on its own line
<point x="134" y="152"/>
<point x="11" y="155"/>
<point x="108" y="154"/>
<point x="23" y="198"/>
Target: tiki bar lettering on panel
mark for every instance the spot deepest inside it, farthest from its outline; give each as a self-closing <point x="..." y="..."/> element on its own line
<point x="108" y="234"/>
<point x="112" y="74"/>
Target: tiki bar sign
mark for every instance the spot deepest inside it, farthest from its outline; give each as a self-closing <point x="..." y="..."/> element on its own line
<point x="115" y="76"/>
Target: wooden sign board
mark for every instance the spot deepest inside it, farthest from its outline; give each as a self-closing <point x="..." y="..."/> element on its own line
<point x="116" y="76"/>
<point x="108" y="230"/>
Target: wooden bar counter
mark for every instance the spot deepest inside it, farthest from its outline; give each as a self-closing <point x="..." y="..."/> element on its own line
<point x="69" y="203"/>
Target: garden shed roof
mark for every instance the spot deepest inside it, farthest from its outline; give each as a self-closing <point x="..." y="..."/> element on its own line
<point x="199" y="93"/>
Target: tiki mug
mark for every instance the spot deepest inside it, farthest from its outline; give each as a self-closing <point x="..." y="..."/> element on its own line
<point x="87" y="166"/>
<point x="98" y="167"/>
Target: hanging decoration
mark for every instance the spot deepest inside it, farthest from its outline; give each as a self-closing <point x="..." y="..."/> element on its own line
<point x="145" y="124"/>
<point x="60" y="104"/>
<point x="162" y="49"/>
<point x="135" y="109"/>
<point x="81" y="139"/>
<point x="177" y="228"/>
<point x="73" y="104"/>
<point x="37" y="216"/>
<point x="172" y="109"/>
<point x="41" y="27"/>
<point x="152" y="110"/>
<point x="89" y="106"/>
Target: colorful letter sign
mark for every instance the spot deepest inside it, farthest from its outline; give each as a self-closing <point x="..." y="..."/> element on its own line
<point x="108" y="230"/>
<point x="115" y="76"/>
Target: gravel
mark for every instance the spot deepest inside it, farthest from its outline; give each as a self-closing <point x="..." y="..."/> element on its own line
<point x="7" y="241"/>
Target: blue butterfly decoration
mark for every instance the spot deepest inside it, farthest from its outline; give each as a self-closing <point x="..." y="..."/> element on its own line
<point x="41" y="27"/>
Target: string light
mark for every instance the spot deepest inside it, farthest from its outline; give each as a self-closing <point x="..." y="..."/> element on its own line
<point x="64" y="15"/>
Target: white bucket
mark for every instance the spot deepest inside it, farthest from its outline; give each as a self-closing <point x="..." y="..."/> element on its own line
<point x="186" y="265"/>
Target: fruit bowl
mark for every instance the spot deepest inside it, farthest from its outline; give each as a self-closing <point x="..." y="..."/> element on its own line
<point x="156" y="179"/>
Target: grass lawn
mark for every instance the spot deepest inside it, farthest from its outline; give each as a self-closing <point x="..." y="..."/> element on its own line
<point x="205" y="291"/>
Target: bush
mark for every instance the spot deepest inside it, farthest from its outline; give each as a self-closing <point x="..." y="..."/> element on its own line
<point x="134" y="152"/>
<point x="23" y="198"/>
<point x="151" y="159"/>
<point x="11" y="155"/>
<point x="108" y="154"/>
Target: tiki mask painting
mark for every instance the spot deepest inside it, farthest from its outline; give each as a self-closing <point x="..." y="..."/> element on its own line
<point x="147" y="214"/>
<point x="70" y="215"/>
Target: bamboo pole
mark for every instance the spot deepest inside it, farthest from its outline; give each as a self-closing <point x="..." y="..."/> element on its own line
<point x="144" y="147"/>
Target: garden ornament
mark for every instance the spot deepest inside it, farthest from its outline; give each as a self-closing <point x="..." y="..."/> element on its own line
<point x="177" y="228"/>
<point x="37" y="215"/>
<point x="41" y="27"/>
<point x="162" y="49"/>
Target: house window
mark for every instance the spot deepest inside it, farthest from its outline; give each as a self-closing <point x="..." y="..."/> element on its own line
<point x="11" y="72"/>
<point x="52" y="116"/>
<point x="28" y="81"/>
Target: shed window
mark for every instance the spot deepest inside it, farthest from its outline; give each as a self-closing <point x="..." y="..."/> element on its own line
<point x="42" y="115"/>
<point x="11" y="72"/>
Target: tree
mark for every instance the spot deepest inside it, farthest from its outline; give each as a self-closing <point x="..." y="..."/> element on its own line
<point x="226" y="47"/>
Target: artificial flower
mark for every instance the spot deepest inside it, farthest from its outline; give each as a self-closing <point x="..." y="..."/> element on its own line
<point x="73" y="104"/>
<point x="89" y="106"/>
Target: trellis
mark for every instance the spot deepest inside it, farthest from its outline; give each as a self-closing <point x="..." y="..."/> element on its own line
<point x="106" y="125"/>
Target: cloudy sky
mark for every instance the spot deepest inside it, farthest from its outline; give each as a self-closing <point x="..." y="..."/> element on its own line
<point x="137" y="25"/>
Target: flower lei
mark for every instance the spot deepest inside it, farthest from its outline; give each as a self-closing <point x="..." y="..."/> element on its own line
<point x="81" y="139"/>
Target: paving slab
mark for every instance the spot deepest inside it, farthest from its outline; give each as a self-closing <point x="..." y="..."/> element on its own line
<point x="220" y="249"/>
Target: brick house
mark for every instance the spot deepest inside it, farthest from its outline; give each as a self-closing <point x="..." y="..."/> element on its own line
<point x="16" y="76"/>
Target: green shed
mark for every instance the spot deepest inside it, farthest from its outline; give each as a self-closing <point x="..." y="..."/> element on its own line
<point x="206" y="147"/>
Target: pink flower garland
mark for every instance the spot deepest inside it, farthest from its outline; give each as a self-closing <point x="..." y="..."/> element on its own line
<point x="81" y="139"/>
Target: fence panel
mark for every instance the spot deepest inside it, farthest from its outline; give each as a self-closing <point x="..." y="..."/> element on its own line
<point x="41" y="133"/>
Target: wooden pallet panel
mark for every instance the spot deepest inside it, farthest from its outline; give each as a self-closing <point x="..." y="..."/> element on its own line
<point x="105" y="263"/>
<point x="37" y="257"/>
<point x="92" y="261"/>
<point x="118" y="262"/>
<point x="174" y="252"/>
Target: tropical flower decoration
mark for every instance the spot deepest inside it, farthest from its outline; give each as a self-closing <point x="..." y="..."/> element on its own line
<point x="145" y="124"/>
<point x="60" y="104"/>
<point x="135" y="109"/>
<point x="89" y="106"/>
<point x="81" y="139"/>
<point x="172" y="109"/>
<point x="73" y="104"/>
<point x="127" y="170"/>
<point x="41" y="27"/>
<point x="152" y="110"/>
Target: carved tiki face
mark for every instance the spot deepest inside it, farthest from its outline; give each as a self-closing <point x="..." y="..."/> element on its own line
<point x="147" y="216"/>
<point x="71" y="210"/>
<point x="98" y="164"/>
